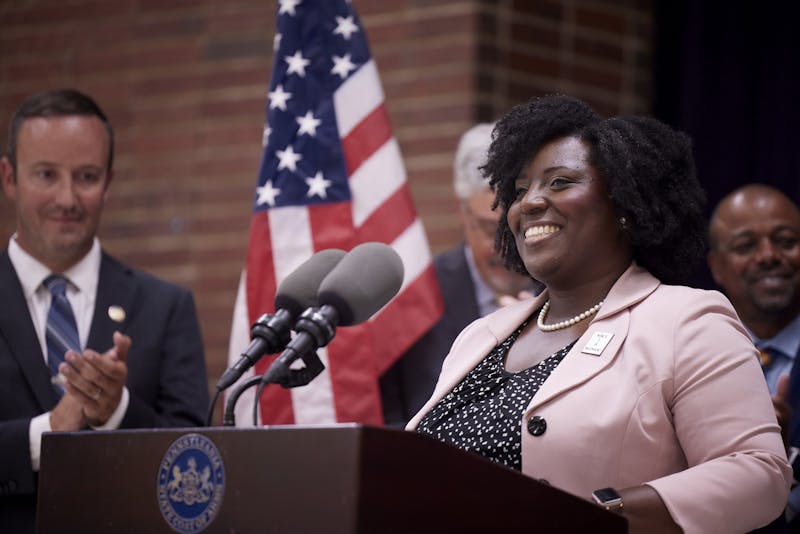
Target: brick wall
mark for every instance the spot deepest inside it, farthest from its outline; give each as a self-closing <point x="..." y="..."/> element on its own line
<point x="184" y="84"/>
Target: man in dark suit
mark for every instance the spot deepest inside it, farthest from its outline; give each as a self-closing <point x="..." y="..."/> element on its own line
<point x="755" y="257"/>
<point x="85" y="342"/>
<point x="472" y="280"/>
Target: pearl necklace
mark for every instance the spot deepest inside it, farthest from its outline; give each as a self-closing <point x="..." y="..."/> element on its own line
<point x="563" y="324"/>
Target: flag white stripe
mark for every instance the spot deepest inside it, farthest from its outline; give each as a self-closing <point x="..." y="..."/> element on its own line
<point x="357" y="97"/>
<point x="412" y="246"/>
<point x="239" y="340"/>
<point x="314" y="403"/>
<point x="290" y="235"/>
<point x="377" y="179"/>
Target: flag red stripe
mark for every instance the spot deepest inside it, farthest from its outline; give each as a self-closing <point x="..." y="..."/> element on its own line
<point x="351" y="364"/>
<point x="332" y="226"/>
<point x="390" y="219"/>
<point x="406" y="318"/>
<point x="261" y="283"/>
<point x="276" y="405"/>
<point x="368" y="136"/>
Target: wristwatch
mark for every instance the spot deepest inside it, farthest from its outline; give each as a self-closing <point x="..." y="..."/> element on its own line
<point x="609" y="499"/>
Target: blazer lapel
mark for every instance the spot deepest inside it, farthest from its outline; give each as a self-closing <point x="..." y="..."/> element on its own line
<point x="497" y="327"/>
<point x="577" y="367"/>
<point x="16" y="328"/>
<point x="613" y="320"/>
<point x="115" y="287"/>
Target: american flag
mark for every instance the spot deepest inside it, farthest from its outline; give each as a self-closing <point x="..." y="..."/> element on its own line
<point x="331" y="176"/>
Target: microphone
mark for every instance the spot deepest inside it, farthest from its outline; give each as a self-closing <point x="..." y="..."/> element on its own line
<point x="362" y="283"/>
<point x="270" y="333"/>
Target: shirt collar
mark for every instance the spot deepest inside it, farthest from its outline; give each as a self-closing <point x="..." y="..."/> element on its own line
<point x="787" y="341"/>
<point x="31" y="272"/>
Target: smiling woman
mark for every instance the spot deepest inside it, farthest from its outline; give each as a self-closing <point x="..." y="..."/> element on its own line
<point x="562" y="219"/>
<point x="612" y="377"/>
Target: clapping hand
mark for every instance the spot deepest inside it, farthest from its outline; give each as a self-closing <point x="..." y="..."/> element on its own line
<point x="96" y="380"/>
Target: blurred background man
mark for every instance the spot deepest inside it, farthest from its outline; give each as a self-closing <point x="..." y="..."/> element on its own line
<point x="754" y="237"/>
<point x="471" y="277"/>
<point x="66" y="300"/>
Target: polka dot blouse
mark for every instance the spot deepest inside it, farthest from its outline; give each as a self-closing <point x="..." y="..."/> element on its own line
<point x="482" y="413"/>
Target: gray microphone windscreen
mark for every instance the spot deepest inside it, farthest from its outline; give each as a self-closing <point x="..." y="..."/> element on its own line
<point x="362" y="283"/>
<point x="298" y="290"/>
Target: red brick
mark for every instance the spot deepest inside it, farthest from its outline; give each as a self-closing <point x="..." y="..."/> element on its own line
<point x="599" y="48"/>
<point x="606" y="78"/>
<point x="187" y="25"/>
<point x="37" y="69"/>
<point x="540" y="35"/>
<point x="238" y="47"/>
<point x="520" y="91"/>
<point x="56" y="13"/>
<point x="602" y="19"/>
<point x="535" y="63"/>
<point x="237" y="17"/>
<point x="549" y="9"/>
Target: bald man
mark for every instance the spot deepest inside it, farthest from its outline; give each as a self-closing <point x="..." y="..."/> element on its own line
<point x="754" y="255"/>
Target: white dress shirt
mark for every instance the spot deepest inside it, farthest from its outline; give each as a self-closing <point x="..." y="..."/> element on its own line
<point x="82" y="279"/>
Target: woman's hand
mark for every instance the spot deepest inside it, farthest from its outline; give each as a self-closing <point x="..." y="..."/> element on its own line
<point x="646" y="512"/>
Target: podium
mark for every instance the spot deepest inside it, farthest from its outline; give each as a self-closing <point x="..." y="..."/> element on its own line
<point x="300" y="479"/>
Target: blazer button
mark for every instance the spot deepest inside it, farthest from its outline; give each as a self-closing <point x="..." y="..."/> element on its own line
<point x="537" y="425"/>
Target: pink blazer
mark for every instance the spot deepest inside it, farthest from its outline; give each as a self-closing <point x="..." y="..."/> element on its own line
<point x="675" y="400"/>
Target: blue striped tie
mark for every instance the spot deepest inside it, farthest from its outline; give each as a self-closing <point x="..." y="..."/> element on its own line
<point x="61" y="331"/>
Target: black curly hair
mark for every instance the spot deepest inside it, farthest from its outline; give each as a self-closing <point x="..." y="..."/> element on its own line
<point x="648" y="169"/>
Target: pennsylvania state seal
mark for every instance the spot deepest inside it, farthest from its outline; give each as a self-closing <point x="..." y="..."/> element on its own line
<point x="191" y="483"/>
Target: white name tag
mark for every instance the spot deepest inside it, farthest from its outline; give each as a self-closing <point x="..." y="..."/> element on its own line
<point x="597" y="343"/>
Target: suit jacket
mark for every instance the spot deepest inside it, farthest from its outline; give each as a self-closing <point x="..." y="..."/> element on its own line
<point x="780" y="525"/>
<point x="166" y="369"/>
<point x="794" y="402"/>
<point x="676" y="400"/>
<point x="409" y="382"/>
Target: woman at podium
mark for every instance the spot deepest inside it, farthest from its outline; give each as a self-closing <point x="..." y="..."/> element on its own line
<point x="617" y="383"/>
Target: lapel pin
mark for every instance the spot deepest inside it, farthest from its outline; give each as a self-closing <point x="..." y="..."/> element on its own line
<point x="597" y="343"/>
<point x="116" y="314"/>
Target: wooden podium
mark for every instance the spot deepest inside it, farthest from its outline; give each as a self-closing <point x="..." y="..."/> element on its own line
<point x="313" y="479"/>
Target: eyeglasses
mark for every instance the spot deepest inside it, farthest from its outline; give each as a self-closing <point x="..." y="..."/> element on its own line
<point x="485" y="225"/>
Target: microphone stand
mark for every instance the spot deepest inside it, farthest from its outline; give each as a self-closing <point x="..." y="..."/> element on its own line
<point x="268" y="334"/>
<point x="319" y="327"/>
<point x="291" y="378"/>
<point x="229" y="419"/>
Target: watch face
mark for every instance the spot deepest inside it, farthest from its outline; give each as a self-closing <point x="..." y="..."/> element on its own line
<point x="606" y="495"/>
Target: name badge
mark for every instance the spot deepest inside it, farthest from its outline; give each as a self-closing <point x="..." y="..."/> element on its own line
<point x="597" y="343"/>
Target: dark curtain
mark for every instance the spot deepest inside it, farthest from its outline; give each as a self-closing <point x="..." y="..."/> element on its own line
<point x="728" y="74"/>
